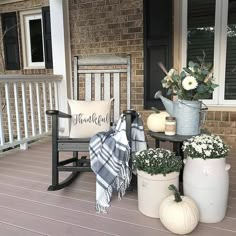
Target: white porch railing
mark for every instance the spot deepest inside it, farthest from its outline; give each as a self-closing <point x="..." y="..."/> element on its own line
<point x="23" y="102"/>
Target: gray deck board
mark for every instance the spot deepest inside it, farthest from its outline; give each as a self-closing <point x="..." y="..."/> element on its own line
<point x="27" y="208"/>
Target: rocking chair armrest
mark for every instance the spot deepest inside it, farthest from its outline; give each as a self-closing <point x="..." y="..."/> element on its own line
<point x="58" y="114"/>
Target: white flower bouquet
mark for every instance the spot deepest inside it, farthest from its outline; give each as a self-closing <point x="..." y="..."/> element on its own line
<point x="193" y="83"/>
<point x="205" y="146"/>
<point x="157" y="161"/>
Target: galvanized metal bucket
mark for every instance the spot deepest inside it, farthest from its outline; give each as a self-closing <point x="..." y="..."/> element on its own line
<point x="188" y="117"/>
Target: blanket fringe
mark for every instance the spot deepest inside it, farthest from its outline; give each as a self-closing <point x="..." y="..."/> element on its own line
<point x="120" y="184"/>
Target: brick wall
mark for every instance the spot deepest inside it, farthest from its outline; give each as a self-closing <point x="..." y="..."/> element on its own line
<point x="223" y="123"/>
<point x="110" y="26"/>
<point x="116" y="26"/>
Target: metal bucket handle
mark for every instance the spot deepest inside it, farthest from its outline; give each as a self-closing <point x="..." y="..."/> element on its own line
<point x="203" y="114"/>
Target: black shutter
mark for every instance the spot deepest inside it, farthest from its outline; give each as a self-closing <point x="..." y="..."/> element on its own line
<point x="157" y="47"/>
<point x="47" y="37"/>
<point x="10" y="41"/>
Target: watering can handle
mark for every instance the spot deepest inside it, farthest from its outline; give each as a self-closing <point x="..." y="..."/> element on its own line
<point x="205" y="108"/>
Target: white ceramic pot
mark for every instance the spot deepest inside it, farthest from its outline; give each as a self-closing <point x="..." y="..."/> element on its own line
<point x="152" y="189"/>
<point x="207" y="182"/>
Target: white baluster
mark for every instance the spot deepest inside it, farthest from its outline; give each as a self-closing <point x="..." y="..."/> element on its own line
<point x="32" y="108"/>
<point x="38" y="108"/>
<point x="9" y="116"/>
<point x="24" y="145"/>
<point x="17" y="111"/>
<point x="45" y="107"/>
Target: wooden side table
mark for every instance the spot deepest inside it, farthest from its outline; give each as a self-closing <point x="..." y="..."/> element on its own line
<point x="177" y="141"/>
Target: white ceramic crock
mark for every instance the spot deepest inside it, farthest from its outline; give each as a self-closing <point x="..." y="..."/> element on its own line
<point x="152" y="189"/>
<point x="207" y="182"/>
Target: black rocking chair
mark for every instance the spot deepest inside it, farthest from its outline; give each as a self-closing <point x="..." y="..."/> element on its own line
<point x="76" y="165"/>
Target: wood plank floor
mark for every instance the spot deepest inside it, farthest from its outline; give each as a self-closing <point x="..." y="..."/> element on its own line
<point x="27" y="208"/>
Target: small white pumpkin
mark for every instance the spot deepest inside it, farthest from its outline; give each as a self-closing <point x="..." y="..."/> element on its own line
<point x="179" y="214"/>
<point x="156" y="121"/>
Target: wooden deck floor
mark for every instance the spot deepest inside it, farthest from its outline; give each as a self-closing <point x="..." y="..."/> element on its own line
<point x="27" y="208"/>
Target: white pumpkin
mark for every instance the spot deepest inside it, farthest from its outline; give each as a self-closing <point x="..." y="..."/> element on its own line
<point x="156" y="121"/>
<point x="179" y="214"/>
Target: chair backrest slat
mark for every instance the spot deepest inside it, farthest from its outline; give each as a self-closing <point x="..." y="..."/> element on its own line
<point x="107" y="86"/>
<point x="101" y="77"/>
<point x="97" y="85"/>
<point x="116" y="92"/>
<point x="88" y="87"/>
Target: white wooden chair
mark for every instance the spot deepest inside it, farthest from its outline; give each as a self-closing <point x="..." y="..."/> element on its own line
<point x="99" y="77"/>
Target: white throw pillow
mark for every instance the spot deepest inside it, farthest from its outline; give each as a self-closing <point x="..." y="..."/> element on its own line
<point x="89" y="118"/>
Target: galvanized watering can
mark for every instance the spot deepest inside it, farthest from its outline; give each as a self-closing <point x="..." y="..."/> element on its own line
<point x="189" y="114"/>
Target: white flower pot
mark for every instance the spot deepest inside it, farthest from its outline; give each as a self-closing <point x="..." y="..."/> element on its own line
<point x="152" y="189"/>
<point x="207" y="182"/>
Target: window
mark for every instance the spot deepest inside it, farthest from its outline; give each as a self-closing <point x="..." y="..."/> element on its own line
<point x="32" y="39"/>
<point x="211" y="26"/>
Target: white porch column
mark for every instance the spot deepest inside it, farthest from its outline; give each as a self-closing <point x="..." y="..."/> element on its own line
<point x="59" y="13"/>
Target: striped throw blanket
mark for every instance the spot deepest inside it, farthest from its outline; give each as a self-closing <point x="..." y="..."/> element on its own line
<point x="110" y="154"/>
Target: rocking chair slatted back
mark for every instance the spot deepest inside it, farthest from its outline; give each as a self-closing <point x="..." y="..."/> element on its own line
<point x="99" y="77"/>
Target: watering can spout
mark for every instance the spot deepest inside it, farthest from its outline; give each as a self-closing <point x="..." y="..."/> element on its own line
<point x="169" y="105"/>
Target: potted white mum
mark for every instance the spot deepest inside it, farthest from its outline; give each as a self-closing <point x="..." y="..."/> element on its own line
<point x="156" y="169"/>
<point x="206" y="177"/>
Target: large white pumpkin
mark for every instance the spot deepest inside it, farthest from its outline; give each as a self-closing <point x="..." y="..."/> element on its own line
<point x="156" y="121"/>
<point x="179" y="216"/>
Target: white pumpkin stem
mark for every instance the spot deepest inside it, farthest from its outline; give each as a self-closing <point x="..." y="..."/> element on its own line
<point x="155" y="110"/>
<point x="176" y="193"/>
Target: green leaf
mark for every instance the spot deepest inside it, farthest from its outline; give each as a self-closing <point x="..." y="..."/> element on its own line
<point x="197" y="65"/>
<point x="182" y="75"/>
<point x="202" y="88"/>
<point x="187" y="70"/>
<point x="213" y="86"/>
<point x="191" y="64"/>
<point x="176" y="78"/>
<point x="205" y="72"/>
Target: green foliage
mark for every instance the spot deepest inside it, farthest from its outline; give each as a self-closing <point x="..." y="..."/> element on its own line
<point x="193" y="82"/>
<point x="157" y="161"/>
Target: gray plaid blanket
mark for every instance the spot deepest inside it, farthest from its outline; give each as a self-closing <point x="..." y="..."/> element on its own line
<point x="110" y="154"/>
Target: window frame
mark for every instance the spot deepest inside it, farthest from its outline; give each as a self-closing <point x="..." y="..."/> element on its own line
<point x="25" y="17"/>
<point x="220" y="45"/>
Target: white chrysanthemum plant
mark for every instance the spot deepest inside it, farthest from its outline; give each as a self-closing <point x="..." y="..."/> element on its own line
<point x="205" y="146"/>
<point x="157" y="161"/>
<point x="192" y="83"/>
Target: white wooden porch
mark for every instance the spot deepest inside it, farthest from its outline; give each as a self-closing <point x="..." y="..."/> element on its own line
<point x="27" y="208"/>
